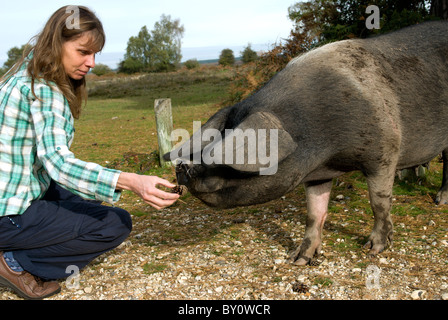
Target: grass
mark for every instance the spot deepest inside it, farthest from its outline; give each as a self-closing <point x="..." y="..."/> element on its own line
<point x="150" y="268"/>
<point x="323" y="281"/>
<point x="119" y="117"/>
<point x="184" y="87"/>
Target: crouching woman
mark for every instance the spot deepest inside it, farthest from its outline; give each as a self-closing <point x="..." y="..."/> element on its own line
<point x="48" y="220"/>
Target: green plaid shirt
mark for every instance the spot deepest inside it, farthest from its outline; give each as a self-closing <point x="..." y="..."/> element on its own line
<point x="35" y="138"/>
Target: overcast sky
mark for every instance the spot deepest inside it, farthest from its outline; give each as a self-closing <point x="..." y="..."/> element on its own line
<point x="207" y="22"/>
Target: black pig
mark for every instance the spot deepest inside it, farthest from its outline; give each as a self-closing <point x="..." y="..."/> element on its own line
<point x="375" y="105"/>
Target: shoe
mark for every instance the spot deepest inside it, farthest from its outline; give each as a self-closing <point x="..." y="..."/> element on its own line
<point x="25" y="284"/>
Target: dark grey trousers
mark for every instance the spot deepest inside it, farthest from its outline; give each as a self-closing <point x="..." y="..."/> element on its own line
<point x="62" y="230"/>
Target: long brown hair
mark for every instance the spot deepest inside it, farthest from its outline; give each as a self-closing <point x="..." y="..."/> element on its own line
<point x="46" y="61"/>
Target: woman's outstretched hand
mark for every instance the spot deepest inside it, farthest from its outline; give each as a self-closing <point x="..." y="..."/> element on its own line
<point x="146" y="188"/>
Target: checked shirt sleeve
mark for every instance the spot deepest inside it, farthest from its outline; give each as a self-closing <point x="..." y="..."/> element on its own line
<point x="53" y="124"/>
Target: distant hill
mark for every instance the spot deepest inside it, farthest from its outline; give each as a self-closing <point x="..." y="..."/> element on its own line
<point x="216" y="61"/>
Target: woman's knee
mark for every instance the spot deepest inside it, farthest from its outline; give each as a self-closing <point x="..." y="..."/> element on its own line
<point x="123" y="223"/>
<point x="126" y="219"/>
<point x="106" y="224"/>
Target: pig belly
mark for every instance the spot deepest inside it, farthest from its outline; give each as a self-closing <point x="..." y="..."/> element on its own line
<point x="419" y="148"/>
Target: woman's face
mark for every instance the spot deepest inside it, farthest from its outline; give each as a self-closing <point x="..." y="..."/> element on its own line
<point x="77" y="57"/>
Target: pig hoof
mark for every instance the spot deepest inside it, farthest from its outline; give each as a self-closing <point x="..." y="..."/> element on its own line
<point x="441" y="198"/>
<point x="380" y="239"/>
<point x="301" y="260"/>
<point x="376" y="246"/>
<point x="297" y="259"/>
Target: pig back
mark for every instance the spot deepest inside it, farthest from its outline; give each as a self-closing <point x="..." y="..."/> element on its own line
<point x="362" y="98"/>
<point x="414" y="62"/>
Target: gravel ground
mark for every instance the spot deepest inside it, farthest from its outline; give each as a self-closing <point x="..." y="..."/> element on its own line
<point x="190" y="251"/>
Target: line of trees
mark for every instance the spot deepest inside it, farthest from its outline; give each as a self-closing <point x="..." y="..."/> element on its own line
<point x="227" y="58"/>
<point x="157" y="50"/>
<point x="317" y="22"/>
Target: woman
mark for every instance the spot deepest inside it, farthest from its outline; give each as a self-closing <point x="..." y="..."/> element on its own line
<point x="46" y="225"/>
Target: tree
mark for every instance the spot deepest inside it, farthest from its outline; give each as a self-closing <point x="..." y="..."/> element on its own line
<point x="166" y="44"/>
<point x="14" y="55"/>
<point x="226" y="58"/>
<point x="332" y="20"/>
<point x="158" y="50"/>
<point x="439" y="8"/>
<point x="137" y="54"/>
<point x="248" y="55"/>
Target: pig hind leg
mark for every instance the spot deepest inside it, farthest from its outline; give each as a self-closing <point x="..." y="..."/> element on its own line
<point x="318" y="196"/>
<point x="442" y="195"/>
<point x="380" y="187"/>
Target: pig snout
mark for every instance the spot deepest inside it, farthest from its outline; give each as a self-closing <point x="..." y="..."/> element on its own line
<point x="184" y="173"/>
<point x="188" y="173"/>
<point x="198" y="179"/>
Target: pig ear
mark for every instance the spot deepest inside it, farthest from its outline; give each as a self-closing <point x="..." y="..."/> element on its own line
<point x="217" y="121"/>
<point x="262" y="140"/>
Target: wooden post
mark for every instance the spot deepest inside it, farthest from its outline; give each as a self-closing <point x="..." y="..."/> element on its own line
<point x="164" y="124"/>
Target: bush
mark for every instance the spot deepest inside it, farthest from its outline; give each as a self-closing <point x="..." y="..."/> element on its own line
<point x="101" y="70"/>
<point x="226" y="58"/>
<point x="191" y="64"/>
<point x="248" y="55"/>
<point x="130" y="65"/>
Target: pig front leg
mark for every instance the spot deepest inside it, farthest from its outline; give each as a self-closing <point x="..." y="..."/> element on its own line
<point x="318" y="196"/>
